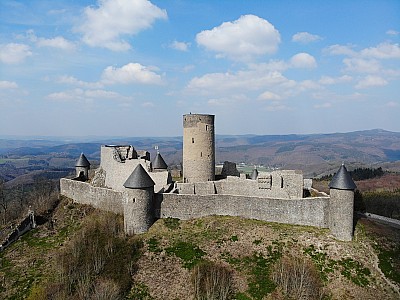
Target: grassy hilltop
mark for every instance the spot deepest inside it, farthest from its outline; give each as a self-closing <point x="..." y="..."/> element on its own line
<point x="82" y="253"/>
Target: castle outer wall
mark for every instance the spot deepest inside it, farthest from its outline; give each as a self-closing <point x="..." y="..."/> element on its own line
<point x="302" y="211"/>
<point x="307" y="211"/>
<point x="85" y="193"/>
<point x="198" y="148"/>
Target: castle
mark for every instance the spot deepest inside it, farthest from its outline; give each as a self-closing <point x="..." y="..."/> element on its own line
<point x="128" y="183"/>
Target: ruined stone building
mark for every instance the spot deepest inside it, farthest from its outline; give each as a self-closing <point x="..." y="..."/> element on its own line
<point x="127" y="182"/>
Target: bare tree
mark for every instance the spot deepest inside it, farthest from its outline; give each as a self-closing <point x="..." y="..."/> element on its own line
<point x="3" y="202"/>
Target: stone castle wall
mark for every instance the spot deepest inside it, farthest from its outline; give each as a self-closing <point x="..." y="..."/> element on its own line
<point x="285" y="184"/>
<point x="198" y="148"/>
<point x="84" y="193"/>
<point x="307" y="211"/>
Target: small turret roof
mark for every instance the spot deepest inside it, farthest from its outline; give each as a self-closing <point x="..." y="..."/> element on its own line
<point x="254" y="174"/>
<point x="159" y="162"/>
<point x="139" y="179"/>
<point x="342" y="180"/>
<point x="82" y="161"/>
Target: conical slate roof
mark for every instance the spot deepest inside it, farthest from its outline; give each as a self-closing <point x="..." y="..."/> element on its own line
<point x="82" y="161"/>
<point x="139" y="179"/>
<point x="254" y="175"/>
<point x="342" y="180"/>
<point x="159" y="162"/>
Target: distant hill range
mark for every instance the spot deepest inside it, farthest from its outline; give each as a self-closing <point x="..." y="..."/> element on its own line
<point x="315" y="154"/>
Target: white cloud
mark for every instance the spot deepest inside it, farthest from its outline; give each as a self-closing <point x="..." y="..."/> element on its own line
<point x="362" y="65"/>
<point x="104" y="25"/>
<point x="181" y="46"/>
<point x="305" y="37"/>
<point x="276" y="106"/>
<point x="241" y="40"/>
<point x="57" y="42"/>
<point x="269" y="96"/>
<point x="323" y="105"/>
<point x="392" y="32"/>
<point x="80" y="95"/>
<point x="8" y="85"/>
<point x="130" y="73"/>
<point x="148" y="104"/>
<point x="230" y="101"/>
<point x="327" y="80"/>
<point x="241" y="80"/>
<point x="303" y="60"/>
<point x="382" y="51"/>
<point x="14" y="53"/>
<point x="102" y="94"/>
<point x="370" y="81"/>
<point x="340" y="50"/>
<point x="73" y="81"/>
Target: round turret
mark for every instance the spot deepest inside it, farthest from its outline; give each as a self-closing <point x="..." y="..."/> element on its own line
<point x="341" y="206"/>
<point x="159" y="163"/>
<point x="82" y="167"/>
<point x="254" y="174"/>
<point x="138" y="201"/>
<point x="198" y="148"/>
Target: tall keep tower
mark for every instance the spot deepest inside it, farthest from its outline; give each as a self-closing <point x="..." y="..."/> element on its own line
<point x="198" y="148"/>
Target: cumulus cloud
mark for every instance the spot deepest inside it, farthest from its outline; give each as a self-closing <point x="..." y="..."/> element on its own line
<point x="106" y="24"/>
<point x="241" y="40"/>
<point x="303" y="60"/>
<point x="305" y="37"/>
<point x="80" y="95"/>
<point x="130" y="73"/>
<point x="327" y="80"/>
<point x="8" y="85"/>
<point x="181" y="46"/>
<point x="370" y="81"/>
<point x="241" y="80"/>
<point x="148" y="104"/>
<point x="340" y="50"/>
<point x="74" y="81"/>
<point x="267" y="95"/>
<point x="58" y="42"/>
<point x="323" y="105"/>
<point x="382" y="51"/>
<point x="392" y="32"/>
<point x="362" y="65"/>
<point x="14" y="53"/>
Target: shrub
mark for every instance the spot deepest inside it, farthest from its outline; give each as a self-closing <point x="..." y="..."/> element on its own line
<point x="298" y="278"/>
<point x="211" y="281"/>
<point x="97" y="263"/>
<point x="189" y="253"/>
<point x="171" y="223"/>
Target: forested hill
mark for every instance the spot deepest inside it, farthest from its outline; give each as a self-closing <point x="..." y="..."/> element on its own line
<point x="315" y="154"/>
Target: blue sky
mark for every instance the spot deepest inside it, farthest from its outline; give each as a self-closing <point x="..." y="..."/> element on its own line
<point x="134" y="67"/>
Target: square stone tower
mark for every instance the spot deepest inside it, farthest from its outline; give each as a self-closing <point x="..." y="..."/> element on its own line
<point x="198" y="148"/>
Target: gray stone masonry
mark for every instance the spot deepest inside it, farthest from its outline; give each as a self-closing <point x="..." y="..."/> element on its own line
<point x="138" y="210"/>
<point x="307" y="211"/>
<point x="286" y="184"/>
<point x="341" y="214"/>
<point x="118" y="169"/>
<point x="198" y="148"/>
<point x="84" y="193"/>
